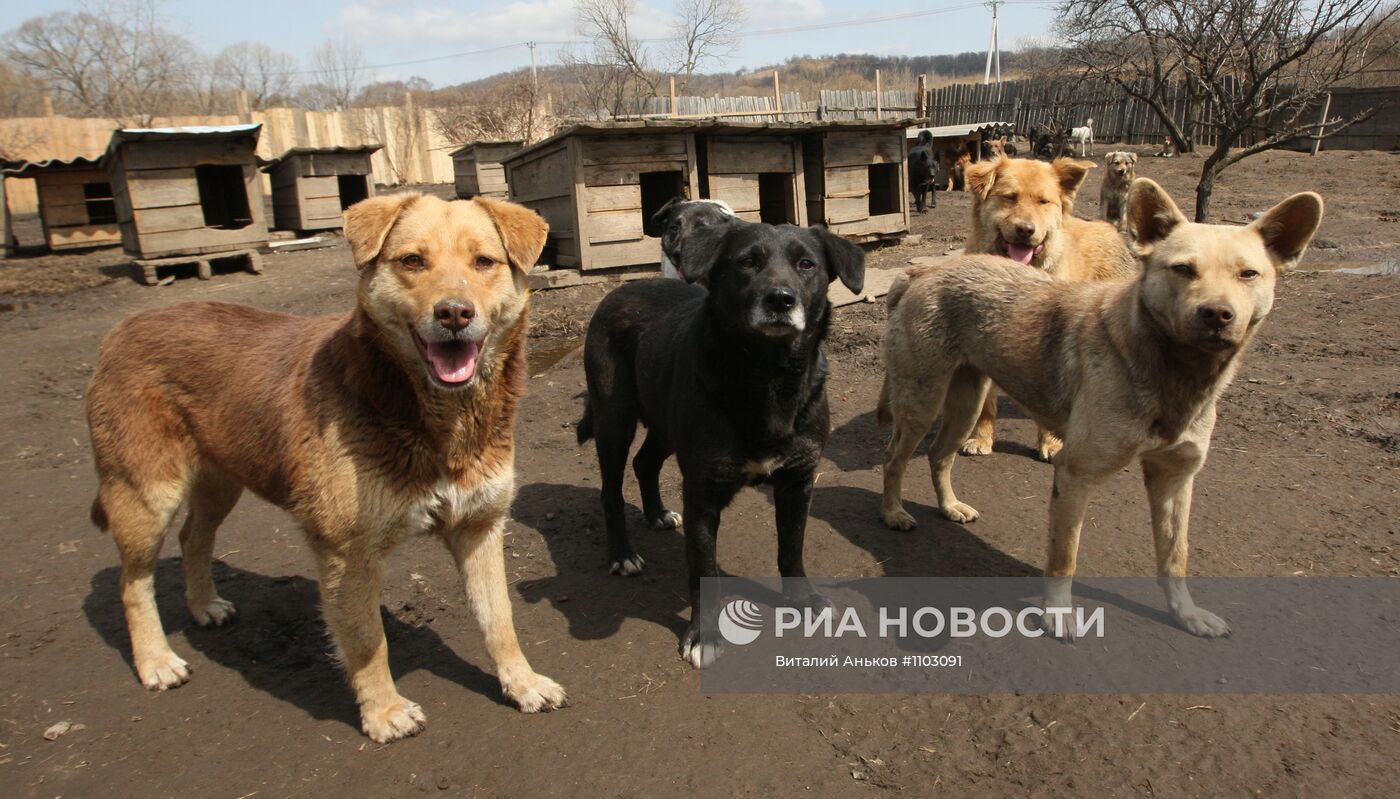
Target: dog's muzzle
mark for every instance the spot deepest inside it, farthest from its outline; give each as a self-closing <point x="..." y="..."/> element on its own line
<point x="450" y="342"/>
<point x="778" y="313"/>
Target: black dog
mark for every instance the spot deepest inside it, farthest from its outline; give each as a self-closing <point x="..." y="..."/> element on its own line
<point x="676" y="219"/>
<point x="731" y="378"/>
<point x="923" y="172"/>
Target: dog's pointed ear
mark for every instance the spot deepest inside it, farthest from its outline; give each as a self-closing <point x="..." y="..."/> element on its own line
<point x="1071" y="174"/>
<point x="522" y="231"/>
<point x="980" y="176"/>
<point x="700" y="249"/>
<point x="657" y="224"/>
<point x="1288" y="227"/>
<point x="1152" y="214"/>
<point x="368" y="222"/>
<point x="844" y="259"/>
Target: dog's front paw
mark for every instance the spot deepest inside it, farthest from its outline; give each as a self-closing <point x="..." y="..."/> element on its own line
<point x="960" y="512"/>
<point x="216" y="613"/>
<point x="668" y="520"/>
<point x="534" y="693"/>
<point x="392" y="721"/>
<point x="628" y="566"/>
<point x="702" y="650"/>
<point x="1058" y="622"/>
<point x="1199" y="621"/>
<point x="976" y="446"/>
<point x="1050" y="446"/>
<point x="162" y="671"/>
<point x="898" y="519"/>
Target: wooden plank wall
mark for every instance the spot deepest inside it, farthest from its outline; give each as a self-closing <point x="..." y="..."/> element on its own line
<point x="64" y="211"/>
<point x="413" y="152"/>
<point x="544" y="181"/>
<point x="848" y="156"/>
<point x="611" y="202"/>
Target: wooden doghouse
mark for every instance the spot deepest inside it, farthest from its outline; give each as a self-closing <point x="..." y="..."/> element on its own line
<point x="312" y="187"/>
<point x="75" y="202"/>
<point x="598" y="184"/>
<point x="188" y="195"/>
<point x="477" y="168"/>
<point x="961" y="138"/>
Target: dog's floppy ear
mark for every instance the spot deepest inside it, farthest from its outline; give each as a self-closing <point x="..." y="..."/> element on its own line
<point x="1071" y="174"/>
<point x="844" y="259"/>
<point x="522" y="231"/>
<point x="699" y="250"/>
<point x="1288" y="227"/>
<point x="1132" y="158"/>
<point x="980" y="176"/>
<point x="1152" y="215"/>
<point x="657" y="224"/>
<point x="368" y="222"/>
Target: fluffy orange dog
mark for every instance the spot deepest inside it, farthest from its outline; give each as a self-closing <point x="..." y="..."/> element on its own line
<point x="391" y="420"/>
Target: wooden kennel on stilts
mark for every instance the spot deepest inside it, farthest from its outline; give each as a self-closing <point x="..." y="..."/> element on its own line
<point x="312" y="186"/>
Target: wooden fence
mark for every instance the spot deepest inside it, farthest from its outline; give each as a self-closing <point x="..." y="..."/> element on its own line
<point x="414" y="151"/>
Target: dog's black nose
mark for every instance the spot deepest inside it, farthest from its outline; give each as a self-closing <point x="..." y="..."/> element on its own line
<point x="454" y="314"/>
<point x="780" y="300"/>
<point x="1215" y="315"/>
<point x="1024" y="231"/>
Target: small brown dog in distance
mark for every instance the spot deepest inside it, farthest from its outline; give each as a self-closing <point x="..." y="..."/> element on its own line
<point x="1022" y="209"/>
<point x="1120" y="173"/>
<point x="392" y="420"/>
<point x="1124" y="371"/>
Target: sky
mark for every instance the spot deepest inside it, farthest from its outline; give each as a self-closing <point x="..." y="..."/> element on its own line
<point x="453" y="42"/>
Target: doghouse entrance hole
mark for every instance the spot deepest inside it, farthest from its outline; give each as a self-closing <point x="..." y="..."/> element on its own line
<point x="353" y="188"/>
<point x="884" y="189"/>
<point x="775" y="200"/>
<point x="659" y="188"/>
<point x="101" y="208"/>
<point x="223" y="196"/>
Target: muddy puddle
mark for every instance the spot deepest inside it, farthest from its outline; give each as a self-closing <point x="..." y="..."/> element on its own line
<point x="546" y="353"/>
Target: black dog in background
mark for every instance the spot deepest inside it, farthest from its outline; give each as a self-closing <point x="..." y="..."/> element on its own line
<point x="677" y="219"/>
<point x="731" y="378"/>
<point x="923" y="172"/>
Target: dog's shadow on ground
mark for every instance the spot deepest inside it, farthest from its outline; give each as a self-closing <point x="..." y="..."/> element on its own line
<point x="596" y="603"/>
<point x="860" y="443"/>
<point x="278" y="643"/>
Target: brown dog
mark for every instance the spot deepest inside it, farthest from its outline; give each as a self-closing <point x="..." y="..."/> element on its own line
<point x="1022" y="209"/>
<point x="1121" y="170"/>
<point x="392" y="420"/>
<point x="1123" y="370"/>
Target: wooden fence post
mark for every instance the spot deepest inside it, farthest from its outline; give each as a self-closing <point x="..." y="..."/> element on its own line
<point x="777" y="97"/>
<point x="920" y="102"/>
<point x="1322" y="123"/>
<point x="877" y="94"/>
<point x="673" y="95"/>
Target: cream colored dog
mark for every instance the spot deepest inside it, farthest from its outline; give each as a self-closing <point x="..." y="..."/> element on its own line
<point x="1123" y="371"/>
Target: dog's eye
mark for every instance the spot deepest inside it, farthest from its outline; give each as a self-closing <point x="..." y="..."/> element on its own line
<point x="806" y="263"/>
<point x="1011" y="198"/>
<point x="1249" y="274"/>
<point x="1045" y="201"/>
<point x="413" y="261"/>
<point x="485" y="262"/>
<point x="1185" y="270"/>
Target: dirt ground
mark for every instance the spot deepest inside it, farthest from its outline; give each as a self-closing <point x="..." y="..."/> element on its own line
<point x="1302" y="480"/>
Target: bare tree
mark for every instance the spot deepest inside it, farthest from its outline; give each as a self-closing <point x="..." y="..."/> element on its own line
<point x="508" y="109"/>
<point x="1265" y="66"/>
<point x="705" y="30"/>
<point x="593" y="88"/>
<point x="252" y="67"/>
<point x="120" y="64"/>
<point x="606" y="23"/>
<point x="340" y="70"/>
<point x="20" y="95"/>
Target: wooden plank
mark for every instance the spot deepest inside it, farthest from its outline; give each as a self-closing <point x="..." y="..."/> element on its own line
<point x="629" y="253"/>
<point x="610" y="226"/>
<point x="727" y="156"/>
<point x="840" y="210"/>
<point x="572" y="157"/>
<point x="64" y="215"/>
<point x="740" y="191"/>
<point x="332" y="164"/>
<point x="203" y="240"/>
<point x="65" y="194"/>
<point x="169" y="154"/>
<point x="624" y="174"/>
<point x="613" y="198"/>
<point x="85" y="236"/>
<point x="162" y="220"/>
<point x="631" y="149"/>
<point x="849" y="148"/>
<point x="848" y="181"/>
<point x="542" y="177"/>
<point x="79" y="177"/>
<point x="885" y="224"/>
<point x="312" y="188"/>
<point x="159" y="188"/>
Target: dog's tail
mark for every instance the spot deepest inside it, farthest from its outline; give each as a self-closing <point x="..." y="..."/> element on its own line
<point x="98" y="514"/>
<point x="584" y="428"/>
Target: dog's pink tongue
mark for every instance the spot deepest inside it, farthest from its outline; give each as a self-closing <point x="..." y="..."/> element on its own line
<point x="453" y="362"/>
<point x="1020" y="252"/>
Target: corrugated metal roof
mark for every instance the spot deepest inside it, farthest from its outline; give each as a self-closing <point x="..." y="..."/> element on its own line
<point x="28" y="169"/>
<point x="710" y="125"/>
<point x="367" y="149"/>
<point x="943" y="131"/>
<point x="122" y="135"/>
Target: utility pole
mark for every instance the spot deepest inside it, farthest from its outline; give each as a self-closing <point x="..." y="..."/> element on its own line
<point x="993" y="47"/>
<point x="535" y="77"/>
